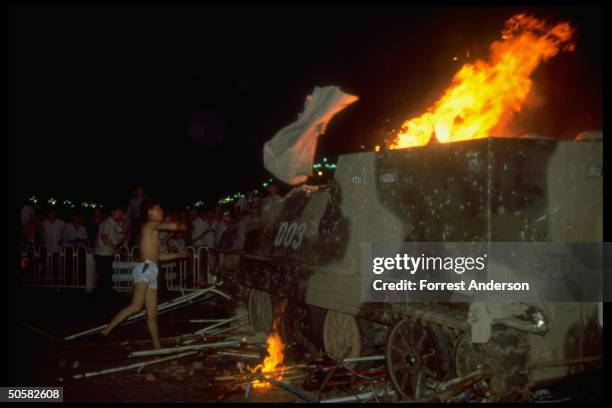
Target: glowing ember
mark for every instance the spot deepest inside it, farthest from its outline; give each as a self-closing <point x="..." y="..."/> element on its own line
<point x="486" y="94"/>
<point x="272" y="361"/>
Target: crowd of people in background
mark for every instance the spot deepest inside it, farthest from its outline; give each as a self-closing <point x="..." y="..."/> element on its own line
<point x="104" y="233"/>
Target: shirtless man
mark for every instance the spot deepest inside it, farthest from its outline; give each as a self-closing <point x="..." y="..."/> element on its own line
<point x="144" y="274"/>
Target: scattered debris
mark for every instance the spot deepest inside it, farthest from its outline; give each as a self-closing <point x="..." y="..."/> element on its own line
<point x="231" y="328"/>
<point x="363" y="359"/>
<point x="287" y="387"/>
<point x="199" y="321"/>
<point x="156" y="352"/>
<point x="241" y="355"/>
<point x="163" y="308"/>
<point x="247" y="392"/>
<point x="221" y="323"/>
<point x="128" y="367"/>
<point x="366" y="396"/>
<point x="230" y="366"/>
<point x="259" y="337"/>
<point x="454" y="386"/>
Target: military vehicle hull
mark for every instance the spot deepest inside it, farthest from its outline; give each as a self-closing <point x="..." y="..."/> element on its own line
<point x="303" y="253"/>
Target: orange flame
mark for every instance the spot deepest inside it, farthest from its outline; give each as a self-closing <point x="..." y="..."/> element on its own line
<point x="486" y="94"/>
<point x="272" y="361"/>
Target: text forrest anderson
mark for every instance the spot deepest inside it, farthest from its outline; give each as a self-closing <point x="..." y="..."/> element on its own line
<point x="459" y="265"/>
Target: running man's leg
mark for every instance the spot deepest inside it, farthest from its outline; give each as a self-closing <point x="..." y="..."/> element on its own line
<point x="151" y="306"/>
<point x="138" y="300"/>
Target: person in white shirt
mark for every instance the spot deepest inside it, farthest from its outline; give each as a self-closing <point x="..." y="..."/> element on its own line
<point x="222" y="226"/>
<point x="165" y="236"/>
<point x="110" y="235"/>
<point x="27" y="213"/>
<point x="269" y="202"/>
<point x="177" y="243"/>
<point x="52" y="231"/>
<point x="74" y="232"/>
<point x="30" y="225"/>
<point x="198" y="228"/>
<point x="179" y="238"/>
<point x="123" y="223"/>
<point x="51" y="237"/>
<point x="210" y="227"/>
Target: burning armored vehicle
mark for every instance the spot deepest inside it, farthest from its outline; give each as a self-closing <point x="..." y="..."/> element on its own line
<point x="304" y="252"/>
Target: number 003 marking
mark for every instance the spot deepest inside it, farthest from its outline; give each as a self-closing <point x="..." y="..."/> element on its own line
<point x="290" y="234"/>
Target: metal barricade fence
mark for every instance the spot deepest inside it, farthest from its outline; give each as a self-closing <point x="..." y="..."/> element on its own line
<point x="180" y="275"/>
<point x="74" y="267"/>
<point x="71" y="267"/>
<point x="187" y="274"/>
<point x="122" y="268"/>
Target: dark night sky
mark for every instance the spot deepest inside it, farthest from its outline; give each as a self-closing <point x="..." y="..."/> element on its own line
<point x="103" y="98"/>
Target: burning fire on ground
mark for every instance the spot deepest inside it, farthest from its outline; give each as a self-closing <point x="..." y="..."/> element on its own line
<point x="270" y="366"/>
<point x="271" y="362"/>
<point x="486" y="94"/>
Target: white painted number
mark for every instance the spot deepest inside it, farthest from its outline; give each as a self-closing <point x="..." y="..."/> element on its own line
<point x="287" y="236"/>
<point x="301" y="231"/>
<point x="280" y="234"/>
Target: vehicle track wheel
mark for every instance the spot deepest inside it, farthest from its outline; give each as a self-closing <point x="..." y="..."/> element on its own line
<point x="293" y="322"/>
<point x="417" y="355"/>
<point x="341" y="335"/>
<point x="261" y="311"/>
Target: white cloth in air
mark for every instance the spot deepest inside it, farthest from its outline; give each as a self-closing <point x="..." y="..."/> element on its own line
<point x="289" y="155"/>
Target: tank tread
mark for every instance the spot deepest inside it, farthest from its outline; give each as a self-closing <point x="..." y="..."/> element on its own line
<point x="505" y="356"/>
<point x="506" y="353"/>
<point x="511" y="348"/>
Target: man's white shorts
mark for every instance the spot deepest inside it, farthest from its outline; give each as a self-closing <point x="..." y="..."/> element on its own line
<point x="146" y="272"/>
